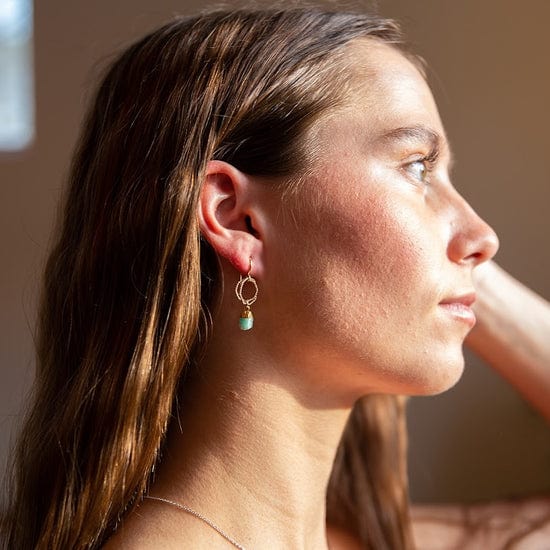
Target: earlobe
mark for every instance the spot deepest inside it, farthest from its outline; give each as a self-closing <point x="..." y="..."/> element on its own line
<point x="228" y="215"/>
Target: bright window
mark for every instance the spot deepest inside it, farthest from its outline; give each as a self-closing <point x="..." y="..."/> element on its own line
<point x="16" y="75"/>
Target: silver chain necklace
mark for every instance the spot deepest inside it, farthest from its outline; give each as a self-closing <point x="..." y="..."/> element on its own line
<point x="199" y="516"/>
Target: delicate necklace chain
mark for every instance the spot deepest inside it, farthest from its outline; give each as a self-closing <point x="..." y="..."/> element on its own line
<point x="199" y="516"/>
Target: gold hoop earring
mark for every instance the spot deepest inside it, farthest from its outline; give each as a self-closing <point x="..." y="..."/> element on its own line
<point x="246" y="321"/>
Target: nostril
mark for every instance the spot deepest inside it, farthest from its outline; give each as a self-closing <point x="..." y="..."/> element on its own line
<point x="476" y="258"/>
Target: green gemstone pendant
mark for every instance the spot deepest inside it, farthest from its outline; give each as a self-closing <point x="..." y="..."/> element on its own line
<point x="246" y="322"/>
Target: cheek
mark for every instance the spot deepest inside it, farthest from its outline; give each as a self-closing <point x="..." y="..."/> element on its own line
<point x="379" y="249"/>
<point x="354" y="266"/>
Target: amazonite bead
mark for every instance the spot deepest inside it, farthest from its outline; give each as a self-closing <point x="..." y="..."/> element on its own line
<point x="246" y="323"/>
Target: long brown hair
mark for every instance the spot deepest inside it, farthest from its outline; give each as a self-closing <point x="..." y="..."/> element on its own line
<point x="129" y="282"/>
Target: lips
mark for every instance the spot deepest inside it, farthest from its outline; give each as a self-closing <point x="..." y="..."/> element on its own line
<point x="466" y="299"/>
<point x="459" y="307"/>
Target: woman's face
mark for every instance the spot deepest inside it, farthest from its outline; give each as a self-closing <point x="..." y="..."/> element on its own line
<point x="369" y="282"/>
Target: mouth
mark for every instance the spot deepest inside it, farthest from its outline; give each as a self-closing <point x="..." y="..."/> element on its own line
<point x="460" y="308"/>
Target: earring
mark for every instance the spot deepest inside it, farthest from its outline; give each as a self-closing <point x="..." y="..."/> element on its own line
<point x="246" y="321"/>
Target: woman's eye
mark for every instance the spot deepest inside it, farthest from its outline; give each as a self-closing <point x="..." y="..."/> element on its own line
<point x="418" y="169"/>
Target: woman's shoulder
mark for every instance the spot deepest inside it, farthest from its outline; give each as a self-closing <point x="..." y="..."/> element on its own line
<point x="150" y="528"/>
<point x="520" y="524"/>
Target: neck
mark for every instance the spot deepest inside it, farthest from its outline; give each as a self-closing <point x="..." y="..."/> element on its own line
<point x="250" y="445"/>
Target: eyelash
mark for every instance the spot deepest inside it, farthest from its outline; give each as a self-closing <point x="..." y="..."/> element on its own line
<point x="428" y="161"/>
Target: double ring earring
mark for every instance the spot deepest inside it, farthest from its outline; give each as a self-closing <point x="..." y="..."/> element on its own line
<point x="246" y="321"/>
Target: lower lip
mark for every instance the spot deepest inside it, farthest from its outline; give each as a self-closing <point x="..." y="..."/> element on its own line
<point x="461" y="312"/>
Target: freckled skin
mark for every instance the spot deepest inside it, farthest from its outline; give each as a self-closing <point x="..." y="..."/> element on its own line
<point x="354" y="288"/>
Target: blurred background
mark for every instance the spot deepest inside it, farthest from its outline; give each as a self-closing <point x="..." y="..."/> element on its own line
<point x="490" y="72"/>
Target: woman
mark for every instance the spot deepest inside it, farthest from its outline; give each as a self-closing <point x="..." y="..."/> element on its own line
<point x="284" y="172"/>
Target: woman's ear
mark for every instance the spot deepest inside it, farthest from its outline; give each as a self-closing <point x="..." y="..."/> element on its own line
<point x="230" y="218"/>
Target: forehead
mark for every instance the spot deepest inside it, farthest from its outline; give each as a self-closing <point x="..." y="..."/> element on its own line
<point x="388" y="89"/>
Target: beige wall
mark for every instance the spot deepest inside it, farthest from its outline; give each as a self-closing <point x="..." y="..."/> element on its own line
<point x="491" y="77"/>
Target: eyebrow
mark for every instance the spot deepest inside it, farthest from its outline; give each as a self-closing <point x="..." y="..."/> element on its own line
<point x="419" y="133"/>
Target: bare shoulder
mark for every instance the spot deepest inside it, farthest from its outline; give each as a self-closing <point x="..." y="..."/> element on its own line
<point x="137" y="532"/>
<point x="150" y="527"/>
<point x="519" y="524"/>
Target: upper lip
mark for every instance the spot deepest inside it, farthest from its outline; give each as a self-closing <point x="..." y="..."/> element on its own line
<point x="467" y="299"/>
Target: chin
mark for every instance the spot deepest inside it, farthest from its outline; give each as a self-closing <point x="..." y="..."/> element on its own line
<point x="442" y="376"/>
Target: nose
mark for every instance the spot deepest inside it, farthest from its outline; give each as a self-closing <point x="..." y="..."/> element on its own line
<point x="473" y="241"/>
